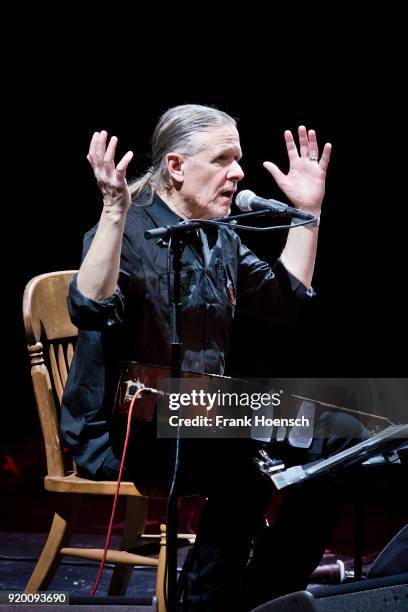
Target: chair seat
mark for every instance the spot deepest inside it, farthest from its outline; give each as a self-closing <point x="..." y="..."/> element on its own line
<point x="75" y="484"/>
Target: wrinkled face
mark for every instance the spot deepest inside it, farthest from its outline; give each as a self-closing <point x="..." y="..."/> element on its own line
<point x="210" y="177"/>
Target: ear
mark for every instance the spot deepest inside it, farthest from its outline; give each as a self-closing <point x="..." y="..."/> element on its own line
<point x="174" y="163"/>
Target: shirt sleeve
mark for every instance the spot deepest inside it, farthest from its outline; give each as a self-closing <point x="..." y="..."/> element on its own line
<point x="272" y="293"/>
<point x="91" y="315"/>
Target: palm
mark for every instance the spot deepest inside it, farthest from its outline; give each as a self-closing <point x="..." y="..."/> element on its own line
<point x="304" y="184"/>
<point x="111" y="179"/>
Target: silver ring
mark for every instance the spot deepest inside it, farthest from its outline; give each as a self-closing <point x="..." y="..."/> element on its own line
<point x="313" y="158"/>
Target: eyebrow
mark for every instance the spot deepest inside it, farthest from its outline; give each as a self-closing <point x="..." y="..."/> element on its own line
<point x="228" y="149"/>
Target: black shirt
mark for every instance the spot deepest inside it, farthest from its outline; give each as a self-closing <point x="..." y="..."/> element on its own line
<point x="218" y="274"/>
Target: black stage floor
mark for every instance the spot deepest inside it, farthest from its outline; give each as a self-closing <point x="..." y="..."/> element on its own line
<point x="20" y="550"/>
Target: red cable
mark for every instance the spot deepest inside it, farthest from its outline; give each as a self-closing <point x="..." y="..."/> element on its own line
<point x="115" y="500"/>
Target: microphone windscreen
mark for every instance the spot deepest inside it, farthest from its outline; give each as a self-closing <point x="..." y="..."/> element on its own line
<point x="243" y="200"/>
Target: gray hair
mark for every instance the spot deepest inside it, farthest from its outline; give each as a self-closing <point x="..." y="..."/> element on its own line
<point x="176" y="131"/>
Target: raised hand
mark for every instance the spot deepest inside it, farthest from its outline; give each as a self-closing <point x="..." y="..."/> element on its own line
<point x="304" y="184"/>
<point x="111" y="180"/>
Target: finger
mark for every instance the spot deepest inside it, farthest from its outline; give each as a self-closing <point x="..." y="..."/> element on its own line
<point x="110" y="151"/>
<point x="290" y="146"/>
<point x="313" y="146"/>
<point x="303" y="141"/>
<point x="324" y="162"/>
<point x="91" y="153"/>
<point x="123" y="164"/>
<point x="274" y="170"/>
<point x="100" y="147"/>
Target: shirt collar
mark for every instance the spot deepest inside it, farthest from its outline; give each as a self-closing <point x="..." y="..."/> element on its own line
<point x="160" y="213"/>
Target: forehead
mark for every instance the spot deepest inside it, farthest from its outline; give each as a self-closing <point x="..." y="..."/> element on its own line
<point x="220" y="137"/>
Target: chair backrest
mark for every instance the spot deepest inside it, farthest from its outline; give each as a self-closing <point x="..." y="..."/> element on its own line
<point x="51" y="339"/>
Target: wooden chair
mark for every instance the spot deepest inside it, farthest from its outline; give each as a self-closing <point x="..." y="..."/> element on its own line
<point x="51" y="339"/>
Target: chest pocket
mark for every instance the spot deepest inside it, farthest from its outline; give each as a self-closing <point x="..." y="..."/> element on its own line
<point x="188" y="282"/>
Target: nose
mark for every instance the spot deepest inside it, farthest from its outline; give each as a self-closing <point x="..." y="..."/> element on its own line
<point x="235" y="171"/>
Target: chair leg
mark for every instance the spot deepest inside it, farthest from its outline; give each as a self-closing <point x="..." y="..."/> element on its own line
<point x="161" y="581"/>
<point x="63" y="523"/>
<point x="135" y="521"/>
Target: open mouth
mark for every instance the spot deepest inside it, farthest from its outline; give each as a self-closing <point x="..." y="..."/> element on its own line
<point x="228" y="193"/>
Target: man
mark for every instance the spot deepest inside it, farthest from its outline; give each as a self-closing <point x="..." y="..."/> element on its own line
<point x="118" y="300"/>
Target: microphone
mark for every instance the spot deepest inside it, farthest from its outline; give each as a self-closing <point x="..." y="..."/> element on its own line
<point x="248" y="201"/>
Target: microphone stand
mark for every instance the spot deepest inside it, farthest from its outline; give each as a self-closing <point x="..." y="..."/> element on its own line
<point x="176" y="235"/>
<point x="177" y="246"/>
